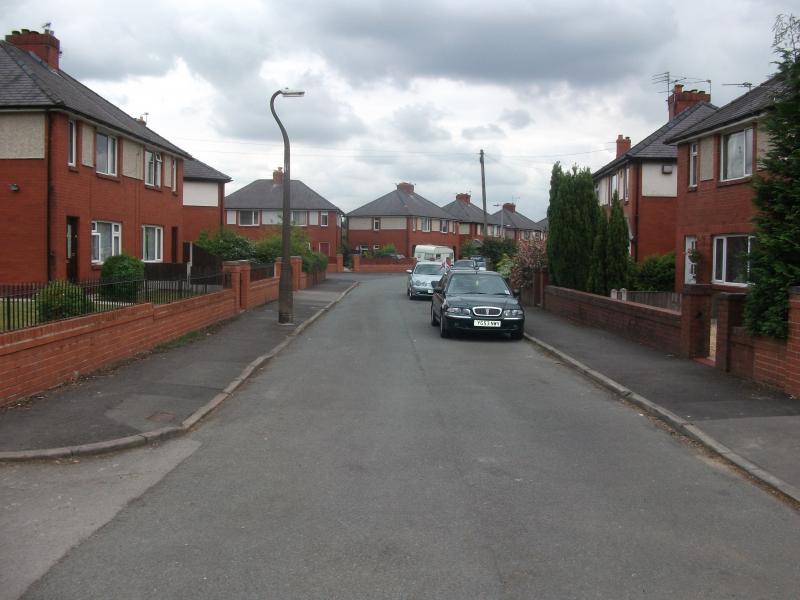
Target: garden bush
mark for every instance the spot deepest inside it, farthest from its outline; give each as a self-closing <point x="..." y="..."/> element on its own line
<point x="655" y="274"/>
<point x="61" y="300"/>
<point x="121" y="277"/>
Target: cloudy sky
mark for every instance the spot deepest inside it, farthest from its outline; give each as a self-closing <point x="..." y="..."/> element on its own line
<point x="406" y="91"/>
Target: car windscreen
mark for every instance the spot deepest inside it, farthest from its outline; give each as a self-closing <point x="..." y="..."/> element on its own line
<point x="463" y="263"/>
<point x="428" y="270"/>
<point x="468" y="283"/>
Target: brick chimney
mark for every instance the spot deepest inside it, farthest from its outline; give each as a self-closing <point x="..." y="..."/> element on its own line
<point x="277" y="176"/>
<point x="623" y="145"/>
<point x="408" y="188"/>
<point x="679" y="100"/>
<point x="44" y="45"/>
<point x="510" y="206"/>
<point x="463" y="198"/>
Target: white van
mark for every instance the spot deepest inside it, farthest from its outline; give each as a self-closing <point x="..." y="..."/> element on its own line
<point x="433" y="253"/>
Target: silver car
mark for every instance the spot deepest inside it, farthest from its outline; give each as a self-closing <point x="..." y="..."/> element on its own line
<point x="422" y="278"/>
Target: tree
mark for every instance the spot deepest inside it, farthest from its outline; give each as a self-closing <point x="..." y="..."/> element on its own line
<point x="494" y="249"/>
<point x="529" y="260"/>
<point x="573" y="216"/>
<point x="617" y="247"/>
<point x="775" y="260"/>
<point x="598" y="273"/>
<point x="226" y="244"/>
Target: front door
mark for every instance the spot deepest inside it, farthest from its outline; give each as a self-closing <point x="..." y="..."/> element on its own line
<point x="689" y="268"/>
<point x="72" y="248"/>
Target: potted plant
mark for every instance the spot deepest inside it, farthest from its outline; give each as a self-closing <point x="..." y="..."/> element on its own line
<point x="694" y="255"/>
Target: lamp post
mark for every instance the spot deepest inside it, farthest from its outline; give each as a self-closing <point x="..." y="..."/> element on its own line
<point x="285" y="299"/>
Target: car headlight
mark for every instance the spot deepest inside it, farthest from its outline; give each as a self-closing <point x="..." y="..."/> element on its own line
<point x="457" y="310"/>
<point x="512" y="312"/>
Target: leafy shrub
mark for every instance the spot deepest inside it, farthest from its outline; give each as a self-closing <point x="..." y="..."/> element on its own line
<point x="504" y="266"/>
<point x="470" y="248"/>
<point x="228" y="245"/>
<point x="61" y="300"/>
<point x="314" y="262"/>
<point x="386" y="250"/>
<point x="494" y="249"/>
<point x="529" y="259"/>
<point x="269" y="249"/>
<point x="655" y="274"/>
<point x="121" y="277"/>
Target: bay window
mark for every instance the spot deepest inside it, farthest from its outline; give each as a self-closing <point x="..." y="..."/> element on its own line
<point x="737" y="154"/>
<point x="731" y="263"/>
<point x="106" y="240"/>
<point x="106" y="154"/>
<point x="152" y="171"/>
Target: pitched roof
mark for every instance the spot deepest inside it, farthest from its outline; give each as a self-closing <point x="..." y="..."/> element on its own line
<point x="747" y="105"/>
<point x="264" y="194"/>
<point x="514" y="220"/>
<point x="28" y="82"/>
<point x="400" y="204"/>
<point x="654" y="146"/>
<point x="194" y="169"/>
<point x="464" y="212"/>
<point x="544" y="224"/>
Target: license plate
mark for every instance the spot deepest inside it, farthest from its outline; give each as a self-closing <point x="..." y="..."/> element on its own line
<point x="481" y="323"/>
<point x="430" y="291"/>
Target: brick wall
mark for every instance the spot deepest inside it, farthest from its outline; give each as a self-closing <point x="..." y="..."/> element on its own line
<point x="647" y="325"/>
<point x="366" y="265"/>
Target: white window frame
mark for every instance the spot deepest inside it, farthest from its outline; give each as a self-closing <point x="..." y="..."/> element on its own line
<point x="693" y="162"/>
<point x="376" y="223"/>
<point x="625" y="183"/>
<point x="747" y="157"/>
<point x="159" y="243"/>
<point x="97" y="240"/>
<point x="444" y="225"/>
<point x="110" y="143"/>
<point x="174" y="173"/>
<point x="230" y="217"/>
<point x="152" y="168"/>
<point x="376" y="248"/>
<point x="300" y="218"/>
<point x="323" y="218"/>
<point x="72" y="140"/>
<point x="254" y="214"/>
<point x="720" y="242"/>
<point x="363" y="248"/>
<point x="425" y="224"/>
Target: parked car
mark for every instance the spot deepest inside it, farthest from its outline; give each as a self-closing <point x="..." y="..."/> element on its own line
<point x="465" y="263"/>
<point x="422" y="278"/>
<point x="476" y="302"/>
<point x="480" y="261"/>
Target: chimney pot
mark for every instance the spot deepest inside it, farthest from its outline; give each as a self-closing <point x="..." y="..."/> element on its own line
<point x="406" y="187"/>
<point x="277" y="176"/>
<point x="623" y="145"/>
<point x="510" y="206"/>
<point x="680" y="100"/>
<point x="44" y="45"/>
<point x="464" y="198"/>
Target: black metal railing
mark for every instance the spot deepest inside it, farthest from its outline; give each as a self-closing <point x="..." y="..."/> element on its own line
<point x="262" y="271"/>
<point x="29" y="304"/>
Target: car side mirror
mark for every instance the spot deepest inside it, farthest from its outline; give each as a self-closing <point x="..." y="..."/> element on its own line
<point x="409" y="271"/>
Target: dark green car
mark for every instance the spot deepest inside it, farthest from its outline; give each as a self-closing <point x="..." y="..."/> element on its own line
<point x="476" y="302"/>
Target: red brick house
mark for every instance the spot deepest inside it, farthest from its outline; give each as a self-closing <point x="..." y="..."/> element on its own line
<point x="717" y="158"/>
<point x="469" y="217"/>
<point x="510" y="224"/>
<point x="646" y="180"/>
<point x="80" y="180"/>
<point x="256" y="211"/>
<point x="203" y="199"/>
<point x="402" y="218"/>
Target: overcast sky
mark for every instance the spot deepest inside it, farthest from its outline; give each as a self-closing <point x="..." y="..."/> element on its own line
<point x="406" y="91"/>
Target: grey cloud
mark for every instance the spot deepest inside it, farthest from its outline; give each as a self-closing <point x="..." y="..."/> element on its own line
<point x="483" y="132"/>
<point x="517" y="119"/>
<point x="417" y="123"/>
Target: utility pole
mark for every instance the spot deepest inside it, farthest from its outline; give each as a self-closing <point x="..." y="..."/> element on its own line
<point x="483" y="192"/>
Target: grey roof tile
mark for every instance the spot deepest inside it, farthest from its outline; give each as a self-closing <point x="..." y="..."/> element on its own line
<point x="195" y="169"/>
<point x="654" y="146"/>
<point x="400" y="204"/>
<point x="514" y="220"/>
<point x="27" y="82"/>
<point x="750" y="104"/>
<point x="466" y="213"/>
<point x="263" y="194"/>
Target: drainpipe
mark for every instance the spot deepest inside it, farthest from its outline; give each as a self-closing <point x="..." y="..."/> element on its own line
<point x="49" y="258"/>
<point x="638" y="197"/>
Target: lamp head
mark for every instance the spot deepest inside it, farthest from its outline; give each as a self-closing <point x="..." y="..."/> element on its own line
<point x="292" y="93"/>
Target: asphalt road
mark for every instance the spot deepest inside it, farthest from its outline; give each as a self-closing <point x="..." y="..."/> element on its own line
<point x="373" y="459"/>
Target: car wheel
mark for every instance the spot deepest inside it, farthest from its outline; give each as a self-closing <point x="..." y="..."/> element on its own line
<point x="444" y="329"/>
<point x="434" y="322"/>
<point x="518" y="335"/>
<point x="408" y="293"/>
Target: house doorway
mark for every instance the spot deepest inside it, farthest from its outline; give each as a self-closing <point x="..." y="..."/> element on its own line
<point x="689" y="267"/>
<point x="72" y="248"/>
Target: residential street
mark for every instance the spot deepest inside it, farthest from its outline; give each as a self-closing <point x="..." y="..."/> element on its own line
<point x="373" y="459"/>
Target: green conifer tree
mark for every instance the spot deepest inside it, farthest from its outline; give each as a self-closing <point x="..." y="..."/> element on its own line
<point x="617" y="247"/>
<point x="598" y="274"/>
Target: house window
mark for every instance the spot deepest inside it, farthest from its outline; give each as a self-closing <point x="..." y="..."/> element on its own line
<point x="376" y="223"/>
<point x="376" y="248"/>
<point x="106" y="240"/>
<point x="613" y="188"/>
<point x="737" y="154"/>
<point x="693" y="164"/>
<point x="625" y="183"/>
<point x="230" y="217"/>
<point x="152" y="171"/>
<point x="72" y="141"/>
<point x="425" y="223"/>
<point x="106" y="150"/>
<point x="731" y="264"/>
<point x="363" y="249"/>
<point x="300" y="218"/>
<point x="444" y="226"/>
<point x="323" y="220"/>
<point x="248" y="218"/>
<point x="174" y="172"/>
<point x="152" y="243"/>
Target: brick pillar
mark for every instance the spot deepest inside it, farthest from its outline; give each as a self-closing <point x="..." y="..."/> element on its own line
<point x="793" y="345"/>
<point x="339" y="263"/>
<point x="695" y="320"/>
<point x="730" y="309"/>
<point x="278" y="266"/>
<point x="297" y="271"/>
<point x="356" y="263"/>
<point x="240" y="281"/>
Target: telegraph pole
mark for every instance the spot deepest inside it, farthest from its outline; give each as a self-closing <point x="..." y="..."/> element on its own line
<point x="483" y="192"/>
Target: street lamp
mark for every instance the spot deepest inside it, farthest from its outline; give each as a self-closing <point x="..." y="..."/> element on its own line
<point x="285" y="299"/>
